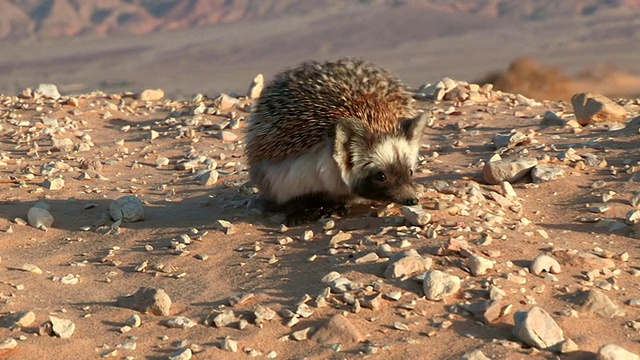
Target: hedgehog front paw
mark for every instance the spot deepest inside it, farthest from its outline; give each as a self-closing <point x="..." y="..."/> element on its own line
<point x="303" y="217"/>
<point x="315" y="213"/>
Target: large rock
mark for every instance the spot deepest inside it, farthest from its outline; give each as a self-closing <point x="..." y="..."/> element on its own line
<point x="127" y="208"/>
<point x="544" y="264"/>
<point x="147" y="300"/>
<point x="338" y="330"/>
<point x="438" y="285"/>
<point x="596" y="302"/>
<point x="537" y="328"/>
<point x="495" y="172"/>
<point x="590" y="108"/>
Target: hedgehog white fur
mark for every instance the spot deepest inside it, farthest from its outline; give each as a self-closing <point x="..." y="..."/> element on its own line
<point x="323" y="134"/>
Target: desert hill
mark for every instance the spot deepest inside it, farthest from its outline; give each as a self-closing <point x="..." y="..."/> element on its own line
<point x="63" y="18"/>
<point x="205" y="46"/>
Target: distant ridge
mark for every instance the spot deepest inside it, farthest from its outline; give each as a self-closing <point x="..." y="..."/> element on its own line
<point x="65" y="18"/>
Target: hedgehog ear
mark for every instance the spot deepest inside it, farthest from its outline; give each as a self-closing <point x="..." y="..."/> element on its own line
<point x="413" y="128"/>
<point x="348" y="132"/>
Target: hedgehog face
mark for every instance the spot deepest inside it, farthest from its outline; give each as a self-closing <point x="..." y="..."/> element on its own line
<point x="379" y="166"/>
<point x="391" y="183"/>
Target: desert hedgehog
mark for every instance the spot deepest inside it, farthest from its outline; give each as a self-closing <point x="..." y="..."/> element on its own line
<point x="323" y="134"/>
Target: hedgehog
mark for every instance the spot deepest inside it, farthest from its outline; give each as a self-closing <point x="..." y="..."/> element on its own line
<point x="323" y="135"/>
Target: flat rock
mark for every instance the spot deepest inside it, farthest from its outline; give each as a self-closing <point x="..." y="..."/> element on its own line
<point x="180" y="322"/>
<point x="228" y="136"/>
<point x="147" y="300"/>
<point x="510" y="170"/>
<point x="511" y="139"/>
<point x="537" y="328"/>
<point x="415" y="215"/>
<point x="127" y="208"/>
<point x="338" y="330"/>
<point x="596" y="302"/>
<point x="437" y="284"/>
<point x="409" y="264"/>
<point x="583" y="260"/>
<point x="544" y="173"/>
<point x="591" y="108"/>
<point x="615" y="352"/>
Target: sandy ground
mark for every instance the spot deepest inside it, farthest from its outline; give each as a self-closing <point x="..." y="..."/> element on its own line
<point x="253" y="258"/>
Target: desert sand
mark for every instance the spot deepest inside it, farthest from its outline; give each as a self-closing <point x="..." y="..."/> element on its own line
<point x="161" y="151"/>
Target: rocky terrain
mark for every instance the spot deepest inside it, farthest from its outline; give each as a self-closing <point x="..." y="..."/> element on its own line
<point x="128" y="231"/>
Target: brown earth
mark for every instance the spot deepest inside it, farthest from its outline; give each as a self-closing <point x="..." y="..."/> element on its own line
<point x="118" y="129"/>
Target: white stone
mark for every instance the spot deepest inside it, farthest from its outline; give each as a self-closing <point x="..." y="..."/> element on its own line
<point x="62" y="327"/>
<point x="615" y="352"/>
<point x="437" y="284"/>
<point x="49" y="91"/>
<point x="416" y="215"/>
<point x="544" y="263"/>
<point x="256" y="87"/>
<point x="39" y="218"/>
<point x="8" y="344"/>
<point x="53" y="183"/>
<point x="478" y="265"/>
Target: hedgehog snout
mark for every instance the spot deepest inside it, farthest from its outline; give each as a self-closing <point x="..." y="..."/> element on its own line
<point x="406" y="195"/>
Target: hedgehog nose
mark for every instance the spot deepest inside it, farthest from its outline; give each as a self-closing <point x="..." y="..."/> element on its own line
<point x="411" y="201"/>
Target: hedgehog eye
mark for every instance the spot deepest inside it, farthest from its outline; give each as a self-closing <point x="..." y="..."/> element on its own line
<point x="380" y="176"/>
<point x="410" y="172"/>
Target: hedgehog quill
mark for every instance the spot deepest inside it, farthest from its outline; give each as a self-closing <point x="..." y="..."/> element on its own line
<point x="322" y="135"/>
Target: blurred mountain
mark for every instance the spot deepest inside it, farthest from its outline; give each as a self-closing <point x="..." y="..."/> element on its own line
<point x="64" y="18"/>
